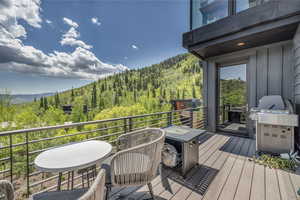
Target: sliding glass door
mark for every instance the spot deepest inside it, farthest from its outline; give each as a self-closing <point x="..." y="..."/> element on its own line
<point x="232" y="99"/>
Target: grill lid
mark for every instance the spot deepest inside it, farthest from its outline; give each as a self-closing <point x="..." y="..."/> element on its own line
<point x="272" y="102"/>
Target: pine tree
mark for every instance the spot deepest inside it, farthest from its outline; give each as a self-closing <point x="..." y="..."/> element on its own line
<point x="178" y="94"/>
<point x="72" y="94"/>
<point x="164" y="94"/>
<point x="101" y="103"/>
<point x="135" y="96"/>
<point x="94" y="96"/>
<point x="116" y="99"/>
<point x="46" y="104"/>
<point x="183" y="94"/>
<point x="57" y="101"/>
<point x="42" y="102"/>
<point x="194" y="92"/>
<point x="153" y="92"/>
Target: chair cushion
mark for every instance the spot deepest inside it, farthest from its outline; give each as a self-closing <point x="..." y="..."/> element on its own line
<point x="60" y="195"/>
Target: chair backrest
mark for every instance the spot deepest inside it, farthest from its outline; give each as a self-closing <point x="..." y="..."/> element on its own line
<point x="137" y="164"/>
<point x="97" y="190"/>
<point x="6" y="190"/>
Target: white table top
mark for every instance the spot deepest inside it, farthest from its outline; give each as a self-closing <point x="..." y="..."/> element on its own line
<point x="72" y="156"/>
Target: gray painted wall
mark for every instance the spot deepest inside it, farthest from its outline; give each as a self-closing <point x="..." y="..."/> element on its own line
<point x="296" y="43"/>
<point x="270" y="71"/>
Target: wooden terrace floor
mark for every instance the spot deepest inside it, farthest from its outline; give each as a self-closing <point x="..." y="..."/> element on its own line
<point x="225" y="172"/>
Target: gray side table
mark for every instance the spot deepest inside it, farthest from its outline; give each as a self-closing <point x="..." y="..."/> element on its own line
<point x="185" y="140"/>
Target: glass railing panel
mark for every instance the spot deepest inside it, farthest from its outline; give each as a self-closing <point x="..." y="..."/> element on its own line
<point x="207" y="11"/>
<point x="246" y="4"/>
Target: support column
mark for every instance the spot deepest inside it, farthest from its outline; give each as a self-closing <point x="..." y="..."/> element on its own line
<point x="296" y="43"/>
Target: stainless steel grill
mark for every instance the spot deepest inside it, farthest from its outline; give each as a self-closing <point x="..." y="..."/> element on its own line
<point x="275" y="122"/>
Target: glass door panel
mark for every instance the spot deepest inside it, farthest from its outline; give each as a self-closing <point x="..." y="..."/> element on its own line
<point x="232" y="99"/>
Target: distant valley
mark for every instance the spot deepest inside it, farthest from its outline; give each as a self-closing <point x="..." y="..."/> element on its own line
<point x="23" y="98"/>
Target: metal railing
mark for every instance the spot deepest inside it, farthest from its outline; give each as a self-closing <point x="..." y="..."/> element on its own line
<point x="20" y="147"/>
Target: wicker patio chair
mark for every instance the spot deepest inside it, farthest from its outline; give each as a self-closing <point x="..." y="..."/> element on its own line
<point x="137" y="159"/>
<point x="6" y="190"/>
<point x="95" y="192"/>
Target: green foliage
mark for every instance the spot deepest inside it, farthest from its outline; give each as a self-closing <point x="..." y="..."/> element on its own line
<point x="275" y="162"/>
<point x="7" y="109"/>
<point x="121" y="111"/>
<point x="94" y="96"/>
<point x="150" y="87"/>
<point x="233" y="92"/>
<point x="54" y="116"/>
<point x="26" y="119"/>
<point x="57" y="101"/>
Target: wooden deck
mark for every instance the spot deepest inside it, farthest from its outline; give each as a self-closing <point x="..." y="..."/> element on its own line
<point x="225" y="173"/>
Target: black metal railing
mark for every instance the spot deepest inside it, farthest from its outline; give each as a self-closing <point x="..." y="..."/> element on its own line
<point x="18" y="148"/>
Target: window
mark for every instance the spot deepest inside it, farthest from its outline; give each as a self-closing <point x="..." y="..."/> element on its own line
<point x="245" y="4"/>
<point x="207" y="11"/>
<point x="204" y="12"/>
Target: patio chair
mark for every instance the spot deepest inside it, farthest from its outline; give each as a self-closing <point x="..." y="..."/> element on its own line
<point x="95" y="192"/>
<point x="6" y="190"/>
<point x="137" y="160"/>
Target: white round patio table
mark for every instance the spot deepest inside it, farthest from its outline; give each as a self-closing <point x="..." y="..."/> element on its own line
<point x="72" y="156"/>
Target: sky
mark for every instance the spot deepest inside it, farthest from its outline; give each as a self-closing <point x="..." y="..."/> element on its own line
<point x="233" y="72"/>
<point x="54" y="45"/>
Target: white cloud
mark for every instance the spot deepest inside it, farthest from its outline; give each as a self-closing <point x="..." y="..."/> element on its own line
<point x="72" y="33"/>
<point x="134" y="47"/>
<point x="95" y="21"/>
<point x="71" y="38"/>
<point x="70" y="22"/>
<point x="73" y="42"/>
<point x="48" y="21"/>
<point x="17" y="57"/>
<point x="12" y="10"/>
<point x="125" y="57"/>
<point x="81" y="63"/>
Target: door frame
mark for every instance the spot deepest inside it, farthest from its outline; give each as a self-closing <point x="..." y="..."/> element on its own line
<point x="217" y="92"/>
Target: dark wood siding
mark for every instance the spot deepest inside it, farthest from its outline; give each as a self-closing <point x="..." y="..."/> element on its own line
<point x="270" y="71"/>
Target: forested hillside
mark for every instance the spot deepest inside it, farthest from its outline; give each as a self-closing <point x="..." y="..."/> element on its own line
<point x="132" y="92"/>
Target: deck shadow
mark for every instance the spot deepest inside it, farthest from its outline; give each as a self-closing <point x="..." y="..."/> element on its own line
<point x="198" y="179"/>
<point x="228" y="144"/>
<point x="204" y="137"/>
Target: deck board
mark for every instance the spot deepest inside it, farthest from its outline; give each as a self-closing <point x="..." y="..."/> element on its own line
<point x="231" y="184"/>
<point x="237" y="178"/>
<point x="222" y="176"/>
<point x="286" y="187"/>
<point x="244" y="186"/>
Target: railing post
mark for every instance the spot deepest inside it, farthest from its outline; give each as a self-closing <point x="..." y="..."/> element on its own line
<point x="170" y="118"/>
<point x="27" y="163"/>
<point x="125" y="125"/>
<point x="130" y="124"/>
<point x="191" y="118"/>
<point x="11" y="157"/>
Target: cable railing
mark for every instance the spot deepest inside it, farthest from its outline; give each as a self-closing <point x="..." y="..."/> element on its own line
<point x="18" y="148"/>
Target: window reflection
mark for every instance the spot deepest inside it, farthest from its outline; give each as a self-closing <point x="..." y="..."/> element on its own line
<point x="208" y="11"/>
<point x="245" y="4"/>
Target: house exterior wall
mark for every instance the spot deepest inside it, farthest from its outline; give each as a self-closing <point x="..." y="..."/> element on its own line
<point x="296" y="45"/>
<point x="270" y="71"/>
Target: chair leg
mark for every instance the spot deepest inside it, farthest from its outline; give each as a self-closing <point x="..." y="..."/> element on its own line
<point x="151" y="190"/>
<point x="108" y="189"/>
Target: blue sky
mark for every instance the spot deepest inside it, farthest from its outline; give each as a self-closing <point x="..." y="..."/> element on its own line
<point x="82" y="40"/>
